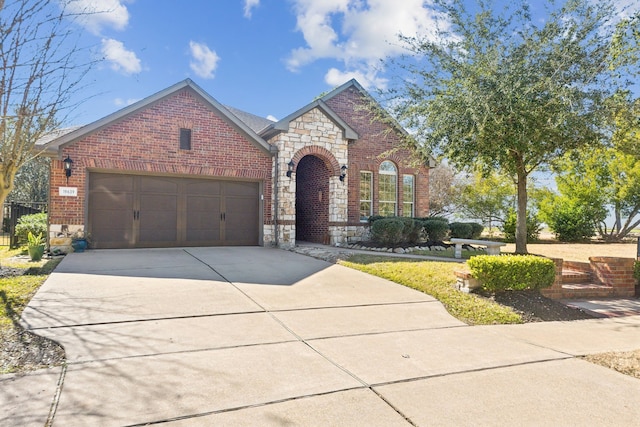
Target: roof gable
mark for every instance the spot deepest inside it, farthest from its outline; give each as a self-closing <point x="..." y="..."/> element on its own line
<point x="283" y="124"/>
<point x="52" y="146"/>
<point x="353" y="83"/>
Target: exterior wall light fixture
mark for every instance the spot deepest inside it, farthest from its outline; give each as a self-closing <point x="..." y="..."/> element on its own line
<point x="343" y="172"/>
<point x="67" y="163"/>
<point x="290" y="167"/>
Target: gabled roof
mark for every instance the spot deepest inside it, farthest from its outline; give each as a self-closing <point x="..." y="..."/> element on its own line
<point x="256" y="123"/>
<point x="52" y="146"/>
<point x="353" y="83"/>
<point x="283" y="125"/>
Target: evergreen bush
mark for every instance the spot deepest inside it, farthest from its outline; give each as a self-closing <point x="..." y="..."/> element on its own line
<point x="35" y="224"/>
<point x="387" y="231"/>
<point x="512" y="272"/>
<point x="436" y="230"/>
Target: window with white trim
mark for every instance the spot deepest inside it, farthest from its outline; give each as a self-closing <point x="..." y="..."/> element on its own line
<point x="366" y="195"/>
<point x="387" y="189"/>
<point x="408" y="195"/>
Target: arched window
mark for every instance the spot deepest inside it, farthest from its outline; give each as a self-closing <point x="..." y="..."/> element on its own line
<point x="387" y="189"/>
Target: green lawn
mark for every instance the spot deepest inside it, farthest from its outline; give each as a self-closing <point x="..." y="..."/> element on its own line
<point x="16" y="292"/>
<point x="436" y="279"/>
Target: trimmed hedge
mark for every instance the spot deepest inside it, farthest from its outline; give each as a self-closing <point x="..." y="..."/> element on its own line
<point x="460" y="230"/>
<point x="374" y="218"/>
<point x="412" y="230"/>
<point x="387" y="231"/>
<point x="466" y="230"/>
<point x="476" y="230"/>
<point x="512" y="272"/>
<point x="436" y="229"/>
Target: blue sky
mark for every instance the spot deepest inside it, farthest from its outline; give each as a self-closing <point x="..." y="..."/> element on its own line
<point x="267" y="57"/>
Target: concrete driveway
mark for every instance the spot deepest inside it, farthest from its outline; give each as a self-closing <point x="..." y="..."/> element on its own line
<point x="257" y="336"/>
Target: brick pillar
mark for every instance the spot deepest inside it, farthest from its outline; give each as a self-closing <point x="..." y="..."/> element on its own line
<point x="555" y="291"/>
<point x="615" y="272"/>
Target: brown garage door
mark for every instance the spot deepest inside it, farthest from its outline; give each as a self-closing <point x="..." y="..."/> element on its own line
<point x="127" y="211"/>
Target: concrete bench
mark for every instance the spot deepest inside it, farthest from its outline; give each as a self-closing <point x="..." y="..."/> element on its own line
<point x="493" y="248"/>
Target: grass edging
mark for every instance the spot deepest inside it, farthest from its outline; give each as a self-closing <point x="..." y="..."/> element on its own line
<point x="16" y="353"/>
<point x="436" y="279"/>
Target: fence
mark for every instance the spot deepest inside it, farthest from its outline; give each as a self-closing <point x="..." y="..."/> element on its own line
<point x="11" y="212"/>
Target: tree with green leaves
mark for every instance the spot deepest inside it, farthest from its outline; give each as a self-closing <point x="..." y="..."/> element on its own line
<point x="486" y="198"/>
<point x="596" y="182"/>
<point x="41" y="67"/>
<point x="501" y="90"/>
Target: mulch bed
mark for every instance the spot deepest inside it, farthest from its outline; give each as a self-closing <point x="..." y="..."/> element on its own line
<point x="533" y="307"/>
<point x="23" y="351"/>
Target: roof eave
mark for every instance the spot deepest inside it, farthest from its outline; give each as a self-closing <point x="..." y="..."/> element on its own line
<point x="71" y="137"/>
<point x="283" y="124"/>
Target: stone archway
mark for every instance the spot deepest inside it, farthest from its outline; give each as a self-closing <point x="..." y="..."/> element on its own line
<point x="312" y="200"/>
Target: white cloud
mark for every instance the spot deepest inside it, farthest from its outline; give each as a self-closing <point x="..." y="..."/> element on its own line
<point x="357" y="33"/>
<point x="94" y="15"/>
<point x="121" y="59"/>
<point x="272" y="118"/>
<point x="357" y="30"/>
<point x="249" y="5"/>
<point x="205" y="61"/>
<point x="368" y="79"/>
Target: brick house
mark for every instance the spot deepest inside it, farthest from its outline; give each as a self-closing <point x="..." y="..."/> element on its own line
<point x="180" y="169"/>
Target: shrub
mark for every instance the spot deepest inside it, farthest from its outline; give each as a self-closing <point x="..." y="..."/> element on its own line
<point x="412" y="230"/>
<point x="374" y="218"/>
<point x="476" y="230"/>
<point x="460" y="230"/>
<point x="34" y="223"/>
<point x="435" y="229"/>
<point x="436" y="218"/>
<point x="636" y="270"/>
<point x="512" y="272"/>
<point x="509" y="227"/>
<point x="387" y="231"/>
<point x="571" y="223"/>
<point x="466" y="230"/>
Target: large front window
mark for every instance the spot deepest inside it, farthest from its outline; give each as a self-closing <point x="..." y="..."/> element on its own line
<point x="387" y="189"/>
<point x="407" y="195"/>
<point x="366" y="193"/>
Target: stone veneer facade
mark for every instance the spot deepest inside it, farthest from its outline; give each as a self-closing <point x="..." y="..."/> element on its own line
<point x="317" y="135"/>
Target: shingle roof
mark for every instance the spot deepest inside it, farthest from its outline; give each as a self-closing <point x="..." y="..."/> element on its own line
<point x="55" y="134"/>
<point x="256" y="123"/>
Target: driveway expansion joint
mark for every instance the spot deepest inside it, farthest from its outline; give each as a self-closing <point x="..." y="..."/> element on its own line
<point x="151" y="319"/>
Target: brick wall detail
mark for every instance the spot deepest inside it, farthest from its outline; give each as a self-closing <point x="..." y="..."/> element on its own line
<point x="614" y="275"/>
<point x="147" y="142"/>
<point x="377" y="142"/>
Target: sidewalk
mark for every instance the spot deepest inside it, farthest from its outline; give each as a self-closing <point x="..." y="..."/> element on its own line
<point x="257" y="336"/>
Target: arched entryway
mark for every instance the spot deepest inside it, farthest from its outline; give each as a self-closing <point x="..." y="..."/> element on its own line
<point x="312" y="200"/>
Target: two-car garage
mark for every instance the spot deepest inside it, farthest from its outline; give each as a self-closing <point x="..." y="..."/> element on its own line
<point x="129" y="211"/>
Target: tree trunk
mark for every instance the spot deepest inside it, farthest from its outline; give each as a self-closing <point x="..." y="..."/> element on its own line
<point x="521" y="224"/>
